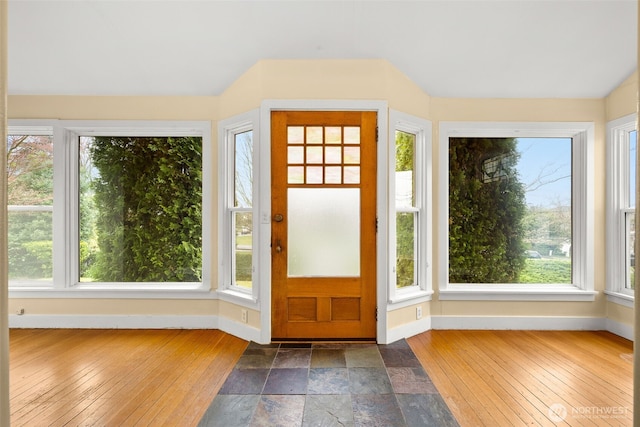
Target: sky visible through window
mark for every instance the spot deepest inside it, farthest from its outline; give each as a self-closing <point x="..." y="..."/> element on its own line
<point x="545" y="170"/>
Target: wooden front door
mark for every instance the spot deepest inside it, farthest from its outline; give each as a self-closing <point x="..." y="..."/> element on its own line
<point x="323" y="225"/>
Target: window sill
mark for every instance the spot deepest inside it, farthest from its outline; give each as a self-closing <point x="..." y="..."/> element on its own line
<point x="620" y="298"/>
<point x="405" y="299"/>
<point x="237" y="297"/>
<point x="103" y="291"/>
<point x="511" y="293"/>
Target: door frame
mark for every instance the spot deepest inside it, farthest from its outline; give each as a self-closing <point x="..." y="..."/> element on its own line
<point x="264" y="190"/>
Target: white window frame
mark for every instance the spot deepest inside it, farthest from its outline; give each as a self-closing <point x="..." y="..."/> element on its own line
<point x="618" y="187"/>
<point x="66" y="218"/>
<point x="227" y="130"/>
<point x="582" y="288"/>
<point x="421" y="128"/>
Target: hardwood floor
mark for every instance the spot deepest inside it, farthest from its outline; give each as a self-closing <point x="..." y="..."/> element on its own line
<point x="513" y="378"/>
<point x="63" y="377"/>
<point x="75" y="377"/>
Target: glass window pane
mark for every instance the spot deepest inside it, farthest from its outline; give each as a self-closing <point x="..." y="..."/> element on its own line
<point x="630" y="221"/>
<point x="30" y="245"/>
<point x="405" y="159"/>
<point x="324" y="232"/>
<point x="244" y="169"/>
<point x="332" y="135"/>
<point x="140" y="209"/>
<point x="314" y="155"/>
<point x="333" y="154"/>
<point x="351" y="135"/>
<point x="352" y="155"/>
<point x="314" y="174"/>
<point x="314" y="135"/>
<point x="295" y="174"/>
<point x="352" y="174"/>
<point x="295" y="134"/>
<point x="295" y="155"/>
<point x="510" y="210"/>
<point x="333" y="175"/>
<point x="405" y="249"/>
<point x="30" y="199"/>
<point x="243" y="247"/>
<point x="633" y="141"/>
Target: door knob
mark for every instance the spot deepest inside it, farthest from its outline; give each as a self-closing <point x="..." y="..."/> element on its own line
<point x="278" y="217"/>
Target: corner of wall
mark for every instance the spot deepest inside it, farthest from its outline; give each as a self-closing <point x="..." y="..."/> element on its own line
<point x="623" y="100"/>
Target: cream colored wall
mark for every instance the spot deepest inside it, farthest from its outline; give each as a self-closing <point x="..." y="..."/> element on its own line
<point x="623" y="100"/>
<point x="322" y="80"/>
<point x="114" y="108"/>
<point x="407" y="315"/>
<point x="233" y="312"/>
<point x="111" y="306"/>
<point x="526" y="110"/>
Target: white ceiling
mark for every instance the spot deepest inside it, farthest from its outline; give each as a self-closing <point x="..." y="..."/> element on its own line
<point x="454" y="48"/>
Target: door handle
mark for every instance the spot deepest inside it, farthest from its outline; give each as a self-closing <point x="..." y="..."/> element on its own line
<point x="278" y="217"/>
<point x="278" y="247"/>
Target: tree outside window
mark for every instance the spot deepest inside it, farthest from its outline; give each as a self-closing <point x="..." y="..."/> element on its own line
<point x="242" y="211"/>
<point x="406" y="211"/>
<point x="30" y="199"/>
<point x="140" y="209"/>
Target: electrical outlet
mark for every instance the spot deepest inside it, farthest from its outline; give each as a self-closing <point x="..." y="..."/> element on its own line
<point x="20" y="311"/>
<point x="245" y="316"/>
<point x="419" y="312"/>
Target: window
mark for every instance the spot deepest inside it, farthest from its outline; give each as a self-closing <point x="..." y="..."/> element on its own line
<point x="515" y="213"/>
<point x="140" y="203"/>
<point x="510" y="210"/>
<point x="621" y="187"/>
<point x="410" y="226"/>
<point x="237" y="160"/>
<point x="30" y="209"/>
<point x="130" y="207"/>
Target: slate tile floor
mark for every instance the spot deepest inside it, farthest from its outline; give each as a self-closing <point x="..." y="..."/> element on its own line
<point x="328" y="385"/>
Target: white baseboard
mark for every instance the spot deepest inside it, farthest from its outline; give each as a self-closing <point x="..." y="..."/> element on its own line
<point x="533" y="323"/>
<point x="620" y="329"/>
<point x="519" y="323"/>
<point x="246" y="332"/>
<point x="78" y="321"/>
<point x="240" y="330"/>
<point x="408" y="330"/>
<point x="83" y="321"/>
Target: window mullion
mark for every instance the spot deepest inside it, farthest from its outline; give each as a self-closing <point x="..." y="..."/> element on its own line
<point x="64" y="207"/>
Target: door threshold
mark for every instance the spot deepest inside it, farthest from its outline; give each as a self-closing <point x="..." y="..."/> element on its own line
<point x="323" y="340"/>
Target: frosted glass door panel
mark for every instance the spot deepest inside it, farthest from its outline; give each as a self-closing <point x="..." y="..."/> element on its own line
<point x="324" y="232"/>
